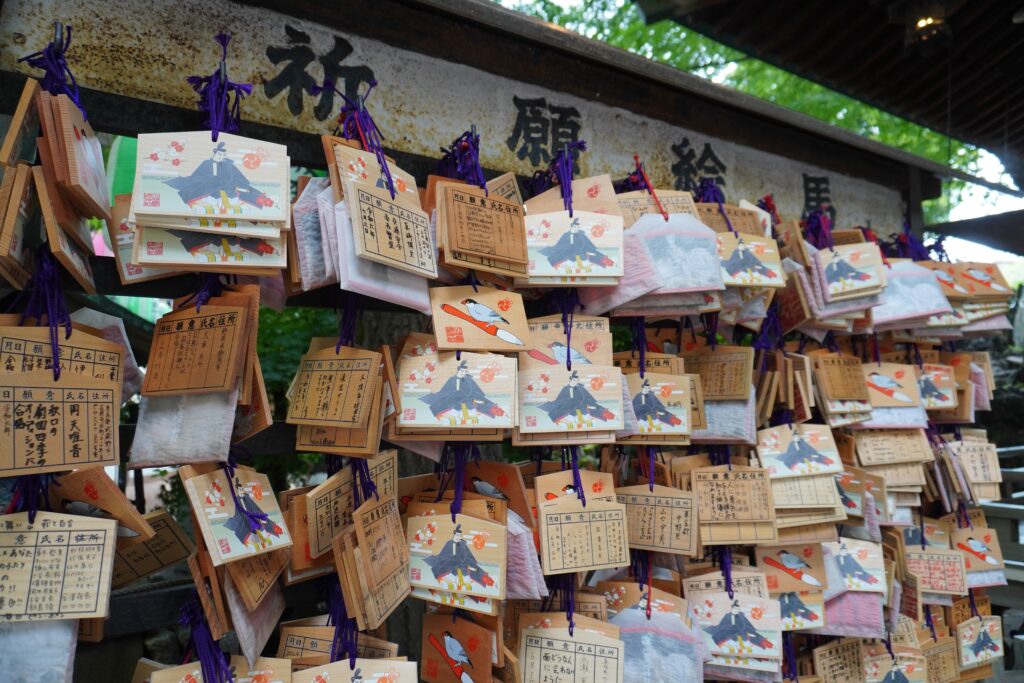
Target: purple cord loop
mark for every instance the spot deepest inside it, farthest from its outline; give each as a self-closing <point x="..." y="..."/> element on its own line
<point x="928" y="621"/>
<point x="634" y="182"/>
<point x="539" y="454"/>
<point x="346" y="633"/>
<point x="351" y="309"/>
<point x="363" y="482"/>
<point x="257" y="518"/>
<point x="918" y="359"/>
<point x="876" y="352"/>
<point x="640" y="341"/>
<point x="561" y="170"/>
<point x="710" y="322"/>
<point x="924" y="544"/>
<point x="725" y="562"/>
<point x="443" y="469"/>
<point x="789" y="657"/>
<point x="57" y="77"/>
<point x="770" y="337"/>
<point x="652" y="454"/>
<point x="574" y="452"/>
<point x="462" y="160"/>
<point x="566" y="302"/>
<point x="909" y="245"/>
<point x="44" y="297"/>
<point x="215" y="91"/>
<point x="963" y="520"/>
<point x="783" y="416"/>
<point x="357" y="124"/>
<point x="818" y="229"/>
<point x="888" y="645"/>
<point x="567" y="591"/>
<point x="710" y="193"/>
<point x="30" y="492"/>
<point x="212" y="660"/>
<point x="831" y="343"/>
<point x="462" y="453"/>
<point x="688" y="325"/>
<point x="471" y="280"/>
<point x="212" y="286"/>
<point x="333" y="463"/>
<point x="540" y="181"/>
<point x="974" y="605"/>
<point x="641" y="565"/>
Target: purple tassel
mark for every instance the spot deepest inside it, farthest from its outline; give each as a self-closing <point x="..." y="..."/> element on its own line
<point x="351" y="309"/>
<point x="566" y="302"/>
<point x="909" y="245"/>
<point x="725" y="561"/>
<point x="30" y="491"/>
<point x="770" y="337"/>
<point x="212" y="659"/>
<point x="652" y="454"/>
<point x="558" y="173"/>
<point x="357" y="124"/>
<point x="346" y="632"/>
<point x="363" y="486"/>
<point x="257" y="519"/>
<point x="459" y="478"/>
<point x="44" y="297"/>
<point x="789" y="657"/>
<point x="577" y="482"/>
<point x="565" y="586"/>
<point x="215" y="94"/>
<point x="640" y="341"/>
<point x="709" y="193"/>
<point x="928" y="621"/>
<point x="818" y="229"/>
<point x="211" y="287"/>
<point x="57" y="76"/>
<point x="710" y="322"/>
<point x="462" y="160"/>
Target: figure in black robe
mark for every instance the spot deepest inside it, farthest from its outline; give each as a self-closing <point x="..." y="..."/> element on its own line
<point x="574" y="398"/>
<point x="800" y="452"/>
<point x="456" y="556"/>
<point x="844" y="497"/>
<point x="215" y="175"/>
<point x="741" y="260"/>
<point x="195" y="241"/>
<point x="647" y="405"/>
<point x="572" y="245"/>
<point x="458" y="391"/>
<point x="912" y="536"/>
<point x="792" y="607"/>
<point x="838" y="270"/>
<point x="238" y="523"/>
<point x="929" y="390"/>
<point x="851" y="569"/>
<point x="896" y="675"/>
<point x="983" y="642"/>
<point x="735" y="626"/>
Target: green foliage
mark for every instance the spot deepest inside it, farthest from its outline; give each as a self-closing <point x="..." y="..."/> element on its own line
<point x="283" y="338"/>
<point x="620" y="23"/>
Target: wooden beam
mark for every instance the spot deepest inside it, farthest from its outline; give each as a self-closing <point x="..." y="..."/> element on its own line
<point x="1000" y="231"/>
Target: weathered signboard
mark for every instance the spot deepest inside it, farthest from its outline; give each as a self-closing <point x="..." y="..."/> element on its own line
<point x="423" y="101"/>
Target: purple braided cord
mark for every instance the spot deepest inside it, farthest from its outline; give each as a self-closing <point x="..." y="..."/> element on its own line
<point x="709" y="193"/>
<point x="57" y="76"/>
<point x="561" y="169"/>
<point x="211" y="287"/>
<point x="357" y="124"/>
<point x="212" y="660"/>
<point x="462" y="160"/>
<point x="215" y="94"/>
<point x="351" y="310"/>
<point x="44" y="297"/>
<point x="346" y="632"/>
<point x="576" y="480"/>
